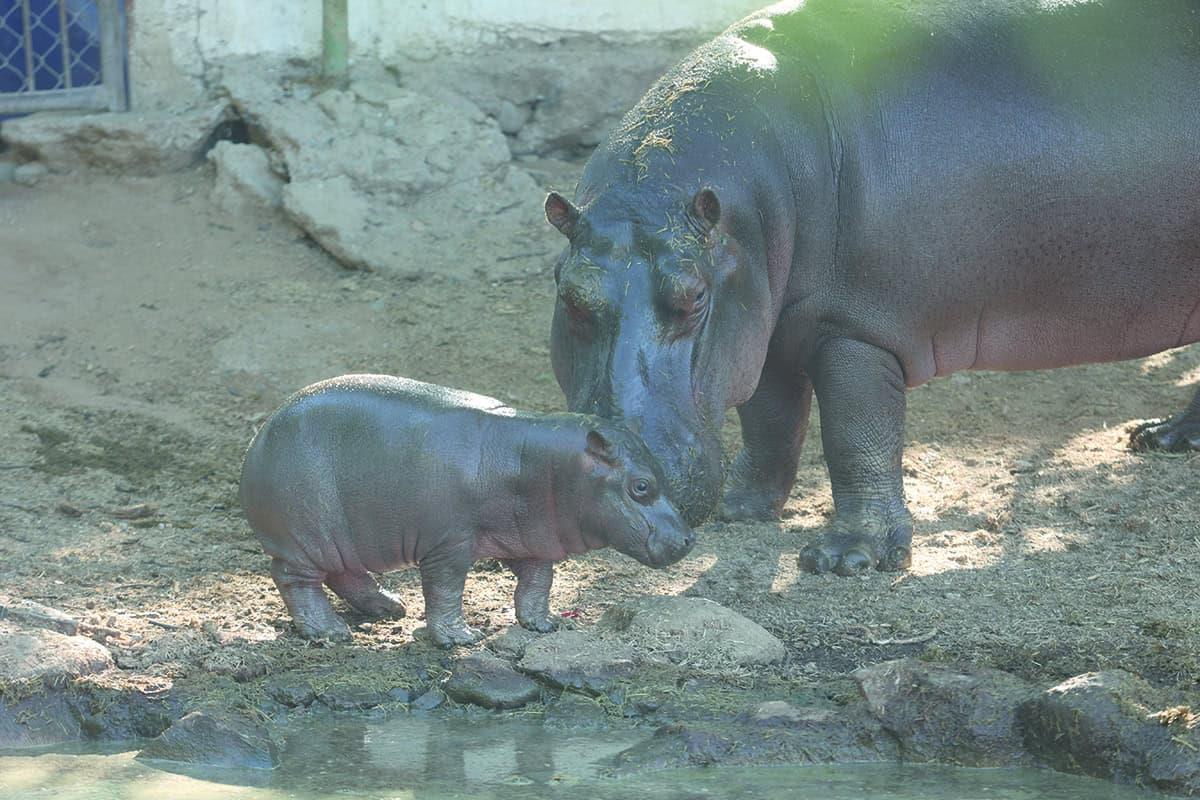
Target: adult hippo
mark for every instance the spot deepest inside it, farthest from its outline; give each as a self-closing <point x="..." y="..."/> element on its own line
<point x="854" y="196"/>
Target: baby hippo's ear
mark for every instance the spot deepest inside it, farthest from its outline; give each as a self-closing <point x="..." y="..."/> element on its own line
<point x="599" y="448"/>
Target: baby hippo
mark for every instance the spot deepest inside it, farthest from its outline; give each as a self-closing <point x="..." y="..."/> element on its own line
<point x="366" y="473"/>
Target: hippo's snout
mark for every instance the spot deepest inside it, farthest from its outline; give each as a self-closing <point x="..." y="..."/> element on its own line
<point x="668" y="545"/>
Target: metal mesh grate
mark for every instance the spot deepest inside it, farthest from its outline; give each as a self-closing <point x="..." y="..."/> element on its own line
<point x="61" y="54"/>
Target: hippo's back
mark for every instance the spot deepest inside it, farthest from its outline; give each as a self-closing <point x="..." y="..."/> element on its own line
<point x="346" y="466"/>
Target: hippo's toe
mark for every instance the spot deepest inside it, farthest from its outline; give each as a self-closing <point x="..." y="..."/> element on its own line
<point x="454" y="634"/>
<point x="539" y="624"/>
<point x="849" y="554"/>
<point x="1175" y="435"/>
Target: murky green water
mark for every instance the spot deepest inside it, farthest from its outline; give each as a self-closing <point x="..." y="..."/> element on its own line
<point x="407" y="757"/>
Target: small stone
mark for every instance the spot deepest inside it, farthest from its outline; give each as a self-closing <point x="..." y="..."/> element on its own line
<point x="353" y="698"/>
<point x="214" y="739"/>
<point x="779" y="712"/>
<point x="512" y="643"/>
<point x="68" y="510"/>
<point x="577" y="712"/>
<point x="293" y="694"/>
<point x="578" y="660"/>
<point x="429" y="701"/>
<point x="30" y="174"/>
<point x="377" y="93"/>
<point x="512" y="117"/>
<point x="482" y="679"/>
<point x="243" y="175"/>
<point x="135" y="511"/>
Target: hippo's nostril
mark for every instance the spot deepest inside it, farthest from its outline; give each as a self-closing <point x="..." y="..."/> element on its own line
<point x="689" y="539"/>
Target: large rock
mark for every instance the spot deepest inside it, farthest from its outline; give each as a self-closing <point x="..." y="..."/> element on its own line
<point x="214" y="739"/>
<point x="47" y="657"/>
<point x="481" y="679"/>
<point x="578" y="660"/>
<point x="939" y="713"/>
<point x="142" y="143"/>
<point x="243" y="177"/>
<point x="385" y="177"/>
<point x="1115" y="725"/>
<point x="36" y="615"/>
<point x="692" y="632"/>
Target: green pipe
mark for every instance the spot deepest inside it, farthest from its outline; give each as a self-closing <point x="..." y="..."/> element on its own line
<point x="335" y="40"/>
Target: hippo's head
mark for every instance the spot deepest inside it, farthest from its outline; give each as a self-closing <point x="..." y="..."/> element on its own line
<point x="626" y="507"/>
<point x="662" y="323"/>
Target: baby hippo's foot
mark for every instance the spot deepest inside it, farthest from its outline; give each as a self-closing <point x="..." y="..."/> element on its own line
<point x="853" y="548"/>
<point x="1175" y="435"/>
<point x="453" y="632"/>
<point x="541" y="623"/>
<point x="312" y="615"/>
<point x="365" y="595"/>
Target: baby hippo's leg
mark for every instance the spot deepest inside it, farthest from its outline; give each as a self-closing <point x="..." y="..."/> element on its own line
<point x="311" y="613"/>
<point x="443" y="577"/>
<point x="533" y="593"/>
<point x="363" y="592"/>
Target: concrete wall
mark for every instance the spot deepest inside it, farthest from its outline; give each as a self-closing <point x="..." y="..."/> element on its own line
<point x="173" y="41"/>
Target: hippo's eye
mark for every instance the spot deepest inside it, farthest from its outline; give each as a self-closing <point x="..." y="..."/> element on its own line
<point x="641" y="489"/>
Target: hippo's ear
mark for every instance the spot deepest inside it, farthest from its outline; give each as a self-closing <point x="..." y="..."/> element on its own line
<point x="706" y="209"/>
<point x="561" y="214"/>
<point x="599" y="448"/>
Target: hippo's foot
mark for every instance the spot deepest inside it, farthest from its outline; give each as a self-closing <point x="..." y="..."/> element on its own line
<point x="748" y="498"/>
<point x="849" y="550"/>
<point x="334" y="630"/>
<point x="1178" y="434"/>
<point x="365" y="595"/>
<point x="312" y="614"/>
<point x="541" y="623"/>
<point x="451" y="633"/>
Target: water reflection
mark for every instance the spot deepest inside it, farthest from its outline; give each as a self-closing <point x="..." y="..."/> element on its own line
<point x="411" y="758"/>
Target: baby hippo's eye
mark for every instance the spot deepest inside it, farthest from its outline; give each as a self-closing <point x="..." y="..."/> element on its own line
<point x="641" y="490"/>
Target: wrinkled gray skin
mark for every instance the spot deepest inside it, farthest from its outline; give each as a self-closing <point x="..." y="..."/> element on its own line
<point x="367" y="473"/>
<point x="852" y="197"/>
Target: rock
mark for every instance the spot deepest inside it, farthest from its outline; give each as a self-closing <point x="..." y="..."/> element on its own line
<point x="481" y="679"/>
<point x="243" y="175"/>
<point x="577" y="660"/>
<point x="142" y="143"/>
<point x="512" y="642"/>
<point x="693" y="632"/>
<point x="939" y="713"/>
<point x="429" y="701"/>
<point x="36" y="615"/>
<point x="1114" y="725"/>
<point x="575" y="711"/>
<point x="291" y="692"/>
<point x="769" y="733"/>
<point x="49" y="658"/>
<point x="377" y="175"/>
<point x="30" y="174"/>
<point x="361" y="698"/>
<point x="214" y="739"/>
<point x="511" y="117"/>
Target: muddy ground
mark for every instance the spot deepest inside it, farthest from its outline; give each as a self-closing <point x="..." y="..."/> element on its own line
<point x="146" y="333"/>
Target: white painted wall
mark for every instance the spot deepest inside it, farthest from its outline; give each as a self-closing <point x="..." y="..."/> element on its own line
<point x="381" y="28"/>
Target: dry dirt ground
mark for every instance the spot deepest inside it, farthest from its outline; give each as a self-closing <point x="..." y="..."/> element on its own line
<point x="144" y="334"/>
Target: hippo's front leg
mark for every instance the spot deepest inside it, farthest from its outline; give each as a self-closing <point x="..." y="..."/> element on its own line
<point x="861" y="392"/>
<point x="1178" y="434"/>
<point x="532" y="599"/>
<point x="774" y="422"/>
<point x="443" y="578"/>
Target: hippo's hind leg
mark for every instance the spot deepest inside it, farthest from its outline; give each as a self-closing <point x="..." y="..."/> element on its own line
<point x="443" y="578"/>
<point x="311" y="612"/>
<point x="774" y="422"/>
<point x="365" y="595"/>
<point x="532" y="600"/>
<point x="1177" y="434"/>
